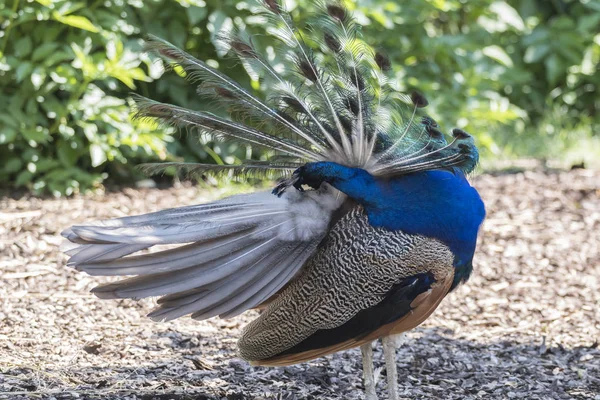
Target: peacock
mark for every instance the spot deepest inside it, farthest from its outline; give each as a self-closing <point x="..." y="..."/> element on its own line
<point x="370" y="224"/>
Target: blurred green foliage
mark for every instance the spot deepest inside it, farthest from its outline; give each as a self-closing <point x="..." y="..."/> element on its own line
<point x="521" y="75"/>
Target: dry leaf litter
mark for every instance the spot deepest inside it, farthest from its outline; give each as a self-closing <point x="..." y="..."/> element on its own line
<point x="526" y="326"/>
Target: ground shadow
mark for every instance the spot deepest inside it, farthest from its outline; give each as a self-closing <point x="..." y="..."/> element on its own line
<point x="432" y="365"/>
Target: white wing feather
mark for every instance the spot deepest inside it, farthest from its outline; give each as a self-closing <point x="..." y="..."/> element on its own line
<point x="225" y="257"/>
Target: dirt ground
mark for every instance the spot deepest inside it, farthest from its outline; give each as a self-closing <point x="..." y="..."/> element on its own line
<point x="526" y="326"/>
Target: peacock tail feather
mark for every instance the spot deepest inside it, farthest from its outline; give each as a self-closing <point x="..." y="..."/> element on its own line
<point x="333" y="100"/>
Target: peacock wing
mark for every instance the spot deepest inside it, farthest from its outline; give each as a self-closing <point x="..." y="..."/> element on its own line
<point x="221" y="258"/>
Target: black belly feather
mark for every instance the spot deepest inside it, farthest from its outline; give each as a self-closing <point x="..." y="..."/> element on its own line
<point x="395" y="305"/>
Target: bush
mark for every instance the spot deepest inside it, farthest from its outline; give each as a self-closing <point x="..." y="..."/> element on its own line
<point x="500" y="69"/>
<point x="65" y="67"/>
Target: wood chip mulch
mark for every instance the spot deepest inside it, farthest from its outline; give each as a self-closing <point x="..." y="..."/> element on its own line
<point x="526" y="326"/>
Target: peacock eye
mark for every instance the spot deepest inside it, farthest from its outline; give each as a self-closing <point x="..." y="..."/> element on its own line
<point x="383" y="61"/>
<point x="460" y="134"/>
<point x="429" y="122"/>
<point x="418" y="99"/>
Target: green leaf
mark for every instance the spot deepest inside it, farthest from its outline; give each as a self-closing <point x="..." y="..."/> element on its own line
<point x="22" y="71"/>
<point x="90" y="131"/>
<point x="97" y="154"/>
<point x="53" y="106"/>
<point x="66" y="153"/>
<point x="7" y="135"/>
<point x="43" y="51"/>
<point x="38" y="77"/>
<point x="114" y="50"/>
<point x="508" y="15"/>
<point x="23" y="178"/>
<point x="588" y="23"/>
<point x="46" y="164"/>
<point x="218" y="22"/>
<point x="125" y="79"/>
<point x="12" y="165"/>
<point x="535" y="53"/>
<point x="592" y="5"/>
<point x="554" y="69"/>
<point x="37" y="134"/>
<point x="9" y="120"/>
<point x="23" y="47"/>
<point x="497" y="53"/>
<point x="177" y="34"/>
<point x="570" y="55"/>
<point x="76" y="21"/>
<point x="138" y="74"/>
<point x="57" y="57"/>
<point x="196" y="14"/>
<point x="539" y="35"/>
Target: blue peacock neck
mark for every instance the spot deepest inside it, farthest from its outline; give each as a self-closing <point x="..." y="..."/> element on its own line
<point x="439" y="204"/>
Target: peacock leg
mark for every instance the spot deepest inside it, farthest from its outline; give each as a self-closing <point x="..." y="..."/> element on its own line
<point x="368" y="372"/>
<point x="390" y="344"/>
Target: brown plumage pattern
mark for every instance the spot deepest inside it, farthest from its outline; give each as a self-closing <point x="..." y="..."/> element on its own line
<point x="354" y="269"/>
